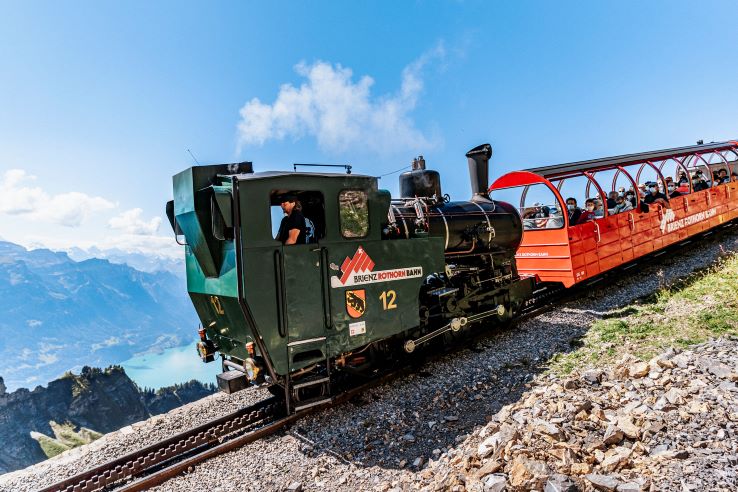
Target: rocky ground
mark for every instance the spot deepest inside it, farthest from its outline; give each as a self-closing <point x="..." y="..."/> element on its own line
<point x="428" y="430"/>
<point x="666" y="424"/>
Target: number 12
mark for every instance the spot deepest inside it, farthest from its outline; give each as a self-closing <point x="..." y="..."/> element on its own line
<point x="388" y="298"/>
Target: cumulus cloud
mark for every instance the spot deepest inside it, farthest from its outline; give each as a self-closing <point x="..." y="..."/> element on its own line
<point x="69" y="209"/>
<point x="130" y="222"/>
<point x="340" y="112"/>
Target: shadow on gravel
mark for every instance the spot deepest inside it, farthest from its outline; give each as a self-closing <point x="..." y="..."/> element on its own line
<point x="441" y="403"/>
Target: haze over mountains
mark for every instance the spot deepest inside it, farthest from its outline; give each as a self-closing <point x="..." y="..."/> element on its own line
<point x="59" y="314"/>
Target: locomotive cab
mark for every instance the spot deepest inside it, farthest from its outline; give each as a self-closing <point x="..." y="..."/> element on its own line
<point x="271" y="309"/>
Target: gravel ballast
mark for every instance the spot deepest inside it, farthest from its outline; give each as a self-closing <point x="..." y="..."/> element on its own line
<point x="385" y="439"/>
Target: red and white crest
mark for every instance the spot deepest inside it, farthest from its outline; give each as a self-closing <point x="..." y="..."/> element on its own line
<point x="360" y="263"/>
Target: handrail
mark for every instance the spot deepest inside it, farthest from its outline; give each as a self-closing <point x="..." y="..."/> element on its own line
<point x="325" y="285"/>
<point x="279" y="283"/>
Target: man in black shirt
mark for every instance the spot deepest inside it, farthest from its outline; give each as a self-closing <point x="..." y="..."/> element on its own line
<point x="292" y="228"/>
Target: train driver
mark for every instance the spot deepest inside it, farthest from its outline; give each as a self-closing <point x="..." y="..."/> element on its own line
<point x="292" y="228"/>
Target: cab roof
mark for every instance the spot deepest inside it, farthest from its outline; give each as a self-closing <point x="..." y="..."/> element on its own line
<point x="292" y="174"/>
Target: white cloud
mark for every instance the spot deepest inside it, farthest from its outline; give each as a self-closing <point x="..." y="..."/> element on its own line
<point x="110" y="342"/>
<point x="339" y="112"/>
<point x="130" y="222"/>
<point x="67" y="209"/>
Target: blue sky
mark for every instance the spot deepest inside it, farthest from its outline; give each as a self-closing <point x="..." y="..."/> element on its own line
<point x="100" y="100"/>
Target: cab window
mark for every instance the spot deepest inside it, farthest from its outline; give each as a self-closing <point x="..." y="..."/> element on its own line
<point x="354" y="213"/>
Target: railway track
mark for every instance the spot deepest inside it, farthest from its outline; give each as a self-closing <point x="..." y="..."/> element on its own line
<point x="161" y="461"/>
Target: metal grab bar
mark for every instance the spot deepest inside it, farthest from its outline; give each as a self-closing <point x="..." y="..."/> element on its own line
<point x="325" y="284"/>
<point x="597" y="230"/>
<point x="279" y="282"/>
<point x="686" y="204"/>
<point x="631" y="221"/>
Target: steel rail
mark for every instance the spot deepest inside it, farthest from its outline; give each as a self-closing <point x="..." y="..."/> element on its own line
<point x="161" y="452"/>
<point x="160" y="476"/>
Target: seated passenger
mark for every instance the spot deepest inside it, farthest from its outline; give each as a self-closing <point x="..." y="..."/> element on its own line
<point x="621" y="205"/>
<point x="574" y="211"/>
<point x="631" y="197"/>
<point x="655" y="196"/>
<point x="698" y="182"/>
<point x="599" y="210"/>
<point x="556" y="219"/>
<point x="683" y="179"/>
<point x="722" y="177"/>
<point x="536" y="217"/>
<point x="542" y="216"/>
<point x="671" y="187"/>
<point x="611" y="197"/>
<point x="587" y="214"/>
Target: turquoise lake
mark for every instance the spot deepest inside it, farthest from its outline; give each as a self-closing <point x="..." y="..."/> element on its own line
<point x="172" y="366"/>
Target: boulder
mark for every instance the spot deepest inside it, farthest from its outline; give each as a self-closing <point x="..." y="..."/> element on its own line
<point x="638" y="370"/>
<point x="528" y="474"/>
<point x="606" y="483"/>
<point x="497" y="441"/>
<point x="495" y="482"/>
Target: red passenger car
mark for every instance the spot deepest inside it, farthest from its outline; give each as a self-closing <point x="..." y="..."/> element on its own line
<point x="691" y="189"/>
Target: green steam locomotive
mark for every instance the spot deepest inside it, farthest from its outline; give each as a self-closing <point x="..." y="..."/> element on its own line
<point x="373" y="278"/>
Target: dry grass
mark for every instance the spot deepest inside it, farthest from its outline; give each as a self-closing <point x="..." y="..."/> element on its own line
<point x="701" y="307"/>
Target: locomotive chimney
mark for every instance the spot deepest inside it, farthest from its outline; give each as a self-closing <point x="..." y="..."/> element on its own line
<point x="478" y="158"/>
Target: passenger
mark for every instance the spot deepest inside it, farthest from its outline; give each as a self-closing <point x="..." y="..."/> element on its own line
<point x="542" y="216"/>
<point x="556" y="220"/>
<point x="631" y="197"/>
<point x="621" y="191"/>
<point x="683" y="179"/>
<point x="536" y="216"/>
<point x="622" y="205"/>
<point x="574" y="211"/>
<point x="723" y="177"/>
<point x="611" y="199"/>
<point x="655" y="196"/>
<point x="292" y="228"/>
<point x="642" y="191"/>
<point x="588" y="212"/>
<point x="599" y="210"/>
<point x="699" y="182"/>
<point x="671" y="187"/>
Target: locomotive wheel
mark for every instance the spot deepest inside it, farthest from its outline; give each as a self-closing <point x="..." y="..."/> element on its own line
<point x="304" y="394"/>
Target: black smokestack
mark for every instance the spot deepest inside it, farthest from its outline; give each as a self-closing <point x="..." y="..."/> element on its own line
<point x="478" y="158"/>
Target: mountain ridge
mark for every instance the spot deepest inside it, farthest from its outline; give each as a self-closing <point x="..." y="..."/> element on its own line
<point x="102" y="400"/>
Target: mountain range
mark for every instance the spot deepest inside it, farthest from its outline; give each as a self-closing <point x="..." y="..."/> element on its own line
<point x="59" y="314"/>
